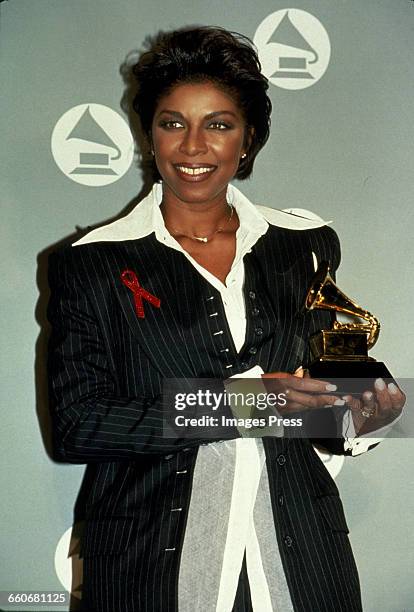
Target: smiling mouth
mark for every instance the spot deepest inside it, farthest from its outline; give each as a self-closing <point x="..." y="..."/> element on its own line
<point x="194" y="171"/>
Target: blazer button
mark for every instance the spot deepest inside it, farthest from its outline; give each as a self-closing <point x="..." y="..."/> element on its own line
<point x="280" y="500"/>
<point x="255" y="312"/>
<point x="258" y="331"/>
<point x="253" y="350"/>
<point x="288" y="541"/>
<point x="281" y="459"/>
<point x="244" y="365"/>
<point x="252" y="295"/>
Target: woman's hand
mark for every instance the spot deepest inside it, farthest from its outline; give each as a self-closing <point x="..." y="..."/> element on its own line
<point x="302" y="392"/>
<point x="376" y="408"/>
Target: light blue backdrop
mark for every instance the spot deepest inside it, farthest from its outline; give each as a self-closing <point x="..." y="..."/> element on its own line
<point x="342" y="148"/>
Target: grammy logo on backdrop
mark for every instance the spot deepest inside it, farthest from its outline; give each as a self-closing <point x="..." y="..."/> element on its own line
<point x="341" y="352"/>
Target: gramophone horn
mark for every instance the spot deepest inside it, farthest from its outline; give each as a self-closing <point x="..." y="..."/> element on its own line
<point x="325" y="294"/>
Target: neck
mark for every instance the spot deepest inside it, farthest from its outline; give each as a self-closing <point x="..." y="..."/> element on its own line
<point x="194" y="218"/>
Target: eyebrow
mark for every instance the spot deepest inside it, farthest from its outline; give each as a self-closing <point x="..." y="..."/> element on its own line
<point x="208" y="116"/>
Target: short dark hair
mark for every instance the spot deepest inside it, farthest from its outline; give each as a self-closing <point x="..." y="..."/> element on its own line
<point x="205" y="53"/>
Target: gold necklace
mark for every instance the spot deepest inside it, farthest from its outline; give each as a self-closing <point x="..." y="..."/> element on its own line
<point x="205" y="239"/>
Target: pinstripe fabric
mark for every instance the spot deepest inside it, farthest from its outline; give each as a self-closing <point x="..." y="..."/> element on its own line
<point x="106" y="369"/>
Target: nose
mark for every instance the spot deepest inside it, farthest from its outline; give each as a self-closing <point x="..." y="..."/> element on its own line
<point x="193" y="142"/>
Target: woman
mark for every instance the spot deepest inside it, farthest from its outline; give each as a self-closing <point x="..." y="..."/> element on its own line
<point x="197" y="282"/>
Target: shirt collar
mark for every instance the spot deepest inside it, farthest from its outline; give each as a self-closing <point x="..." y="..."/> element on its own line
<point x="252" y="223"/>
<point x="146" y="218"/>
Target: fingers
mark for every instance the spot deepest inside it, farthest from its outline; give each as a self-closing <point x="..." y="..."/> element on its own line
<point x="398" y="397"/>
<point x="305" y="384"/>
<point x="369" y="402"/>
<point x="302" y="392"/>
<point x="390" y="399"/>
<point x="376" y="408"/>
<point x="311" y="385"/>
<point x="384" y="402"/>
<point x="382" y="396"/>
<point x="300" y="372"/>
<point x="353" y="403"/>
<point x="304" y="401"/>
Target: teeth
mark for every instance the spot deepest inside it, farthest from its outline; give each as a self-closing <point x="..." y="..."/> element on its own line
<point x="194" y="171"/>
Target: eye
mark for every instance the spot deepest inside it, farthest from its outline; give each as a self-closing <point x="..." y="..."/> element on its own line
<point x="219" y="125"/>
<point x="171" y="124"/>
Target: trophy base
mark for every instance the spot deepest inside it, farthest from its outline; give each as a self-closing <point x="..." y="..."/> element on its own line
<point x="351" y="377"/>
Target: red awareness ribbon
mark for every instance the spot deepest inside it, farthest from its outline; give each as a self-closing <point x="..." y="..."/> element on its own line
<point x="130" y="279"/>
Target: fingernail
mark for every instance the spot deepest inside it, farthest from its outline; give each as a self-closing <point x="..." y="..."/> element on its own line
<point x="380" y="384"/>
<point x="331" y="387"/>
<point x="339" y="402"/>
<point x="393" y="389"/>
<point x="368" y="395"/>
<point x="347" y="398"/>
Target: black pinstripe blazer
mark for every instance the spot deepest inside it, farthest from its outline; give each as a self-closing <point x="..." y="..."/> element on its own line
<point x="106" y="368"/>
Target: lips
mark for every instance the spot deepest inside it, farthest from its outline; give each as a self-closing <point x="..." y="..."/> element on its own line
<point x="194" y="172"/>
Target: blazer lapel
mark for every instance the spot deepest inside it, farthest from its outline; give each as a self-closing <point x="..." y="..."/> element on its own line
<point x="160" y="331"/>
<point x="287" y="268"/>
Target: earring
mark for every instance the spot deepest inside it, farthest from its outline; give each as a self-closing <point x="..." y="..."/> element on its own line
<point x="244" y="156"/>
<point x="152" y="152"/>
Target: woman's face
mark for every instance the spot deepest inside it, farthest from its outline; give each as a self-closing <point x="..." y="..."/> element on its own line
<point x="198" y="136"/>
